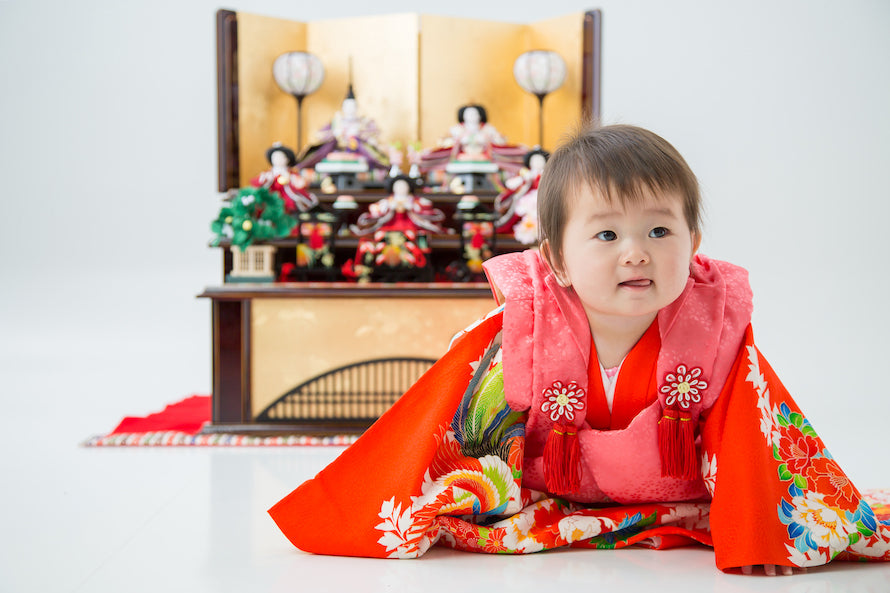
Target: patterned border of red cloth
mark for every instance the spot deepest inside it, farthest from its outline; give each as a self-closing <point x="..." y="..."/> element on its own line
<point x="179" y="425"/>
<point x="184" y="439"/>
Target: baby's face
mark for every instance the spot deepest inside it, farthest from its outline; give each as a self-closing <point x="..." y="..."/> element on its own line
<point x="626" y="262"/>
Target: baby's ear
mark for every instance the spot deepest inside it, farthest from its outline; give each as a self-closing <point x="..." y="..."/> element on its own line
<point x="551" y="261"/>
<point x="544" y="247"/>
<point x="696" y="241"/>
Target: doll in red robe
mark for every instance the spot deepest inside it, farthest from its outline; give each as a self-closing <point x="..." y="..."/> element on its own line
<point x="394" y="235"/>
<point x="283" y="179"/>
<point x="472" y="140"/>
<point x="516" y="206"/>
<point x="616" y="397"/>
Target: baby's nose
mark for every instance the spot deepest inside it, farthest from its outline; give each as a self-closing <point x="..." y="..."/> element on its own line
<point x="635" y="254"/>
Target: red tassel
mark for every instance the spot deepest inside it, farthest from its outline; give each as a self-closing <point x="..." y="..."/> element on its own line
<point x="676" y="444"/>
<point x="562" y="460"/>
<point x="667" y="442"/>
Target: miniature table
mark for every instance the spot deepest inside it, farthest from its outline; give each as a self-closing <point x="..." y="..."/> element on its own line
<point x="343" y="173"/>
<point x="474" y="174"/>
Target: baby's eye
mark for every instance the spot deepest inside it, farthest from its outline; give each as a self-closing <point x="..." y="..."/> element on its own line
<point x="659" y="232"/>
<point x="606" y="235"/>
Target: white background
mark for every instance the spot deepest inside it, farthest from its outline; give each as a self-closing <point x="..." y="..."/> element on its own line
<point x="108" y="161"/>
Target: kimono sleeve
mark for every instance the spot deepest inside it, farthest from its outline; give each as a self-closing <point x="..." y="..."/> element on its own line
<point x="778" y="495"/>
<point x="340" y="510"/>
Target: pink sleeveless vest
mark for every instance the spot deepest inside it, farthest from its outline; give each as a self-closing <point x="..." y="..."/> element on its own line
<point x="546" y="343"/>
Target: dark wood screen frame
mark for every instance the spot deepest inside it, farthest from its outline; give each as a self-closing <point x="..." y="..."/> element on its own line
<point x="227" y="99"/>
<point x="591" y="64"/>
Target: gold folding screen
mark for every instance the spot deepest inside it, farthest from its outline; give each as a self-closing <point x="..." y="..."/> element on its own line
<point x="410" y="73"/>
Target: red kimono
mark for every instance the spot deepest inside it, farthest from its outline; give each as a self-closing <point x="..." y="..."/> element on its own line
<point x="289" y="185"/>
<point x="508" y="444"/>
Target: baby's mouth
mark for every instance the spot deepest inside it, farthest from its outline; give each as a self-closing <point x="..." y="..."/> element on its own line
<point x="637" y="282"/>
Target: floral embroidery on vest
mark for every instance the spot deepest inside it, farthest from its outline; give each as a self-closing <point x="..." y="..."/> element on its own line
<point x="683" y="387"/>
<point x="562" y="400"/>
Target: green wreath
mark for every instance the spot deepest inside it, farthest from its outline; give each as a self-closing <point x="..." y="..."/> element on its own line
<point x="254" y="214"/>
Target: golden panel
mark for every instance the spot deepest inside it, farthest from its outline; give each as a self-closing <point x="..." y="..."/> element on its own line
<point x="385" y="63"/>
<point x="294" y="340"/>
<point x="266" y="114"/>
<point x="470" y="61"/>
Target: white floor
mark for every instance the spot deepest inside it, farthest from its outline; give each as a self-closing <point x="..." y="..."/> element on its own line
<point x="191" y="519"/>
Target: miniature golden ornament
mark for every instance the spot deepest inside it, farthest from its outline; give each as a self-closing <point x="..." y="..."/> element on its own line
<point x="328" y="186"/>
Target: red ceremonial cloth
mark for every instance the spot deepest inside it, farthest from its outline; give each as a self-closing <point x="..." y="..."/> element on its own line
<point x="188" y="415"/>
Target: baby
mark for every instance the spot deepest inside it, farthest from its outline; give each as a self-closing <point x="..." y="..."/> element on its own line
<point x="615" y="398"/>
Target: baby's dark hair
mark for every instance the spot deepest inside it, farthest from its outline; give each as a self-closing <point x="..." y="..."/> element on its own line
<point x="618" y="162"/>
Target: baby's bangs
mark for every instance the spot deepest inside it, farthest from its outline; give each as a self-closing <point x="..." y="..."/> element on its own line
<point x="624" y="174"/>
